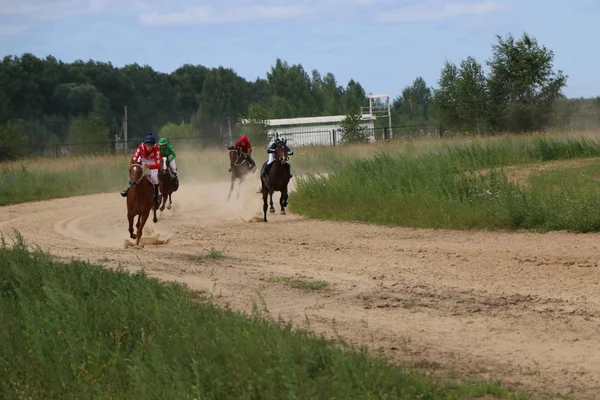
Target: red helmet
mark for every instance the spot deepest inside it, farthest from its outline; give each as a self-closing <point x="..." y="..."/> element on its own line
<point x="244" y="139"/>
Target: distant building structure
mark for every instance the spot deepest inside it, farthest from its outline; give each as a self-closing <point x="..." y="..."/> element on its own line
<point x="311" y="131"/>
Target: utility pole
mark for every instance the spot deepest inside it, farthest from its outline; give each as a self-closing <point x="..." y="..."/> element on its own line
<point x="125" y="127"/>
<point x="230" y="135"/>
<point x="389" y="117"/>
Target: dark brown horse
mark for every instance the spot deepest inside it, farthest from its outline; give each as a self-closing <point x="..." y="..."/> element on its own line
<point x="168" y="184"/>
<point x="276" y="180"/>
<point x="239" y="168"/>
<point x="140" y="200"/>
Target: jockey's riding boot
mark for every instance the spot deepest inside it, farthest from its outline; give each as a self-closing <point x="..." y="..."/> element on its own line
<point x="229" y="169"/>
<point x="156" y="195"/>
<point x="124" y="192"/>
<point x="264" y="170"/>
<point x="289" y="167"/>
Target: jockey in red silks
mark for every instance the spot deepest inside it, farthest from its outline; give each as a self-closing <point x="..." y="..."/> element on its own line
<point x="246" y="147"/>
<point x="148" y="153"/>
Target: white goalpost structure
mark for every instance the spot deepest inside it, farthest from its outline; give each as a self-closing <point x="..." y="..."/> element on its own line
<point x="379" y="109"/>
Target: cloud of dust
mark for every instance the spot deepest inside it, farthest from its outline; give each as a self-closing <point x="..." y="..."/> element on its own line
<point x="207" y="202"/>
<point x="203" y="191"/>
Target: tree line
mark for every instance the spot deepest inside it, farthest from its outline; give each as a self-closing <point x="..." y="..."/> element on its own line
<point x="47" y="102"/>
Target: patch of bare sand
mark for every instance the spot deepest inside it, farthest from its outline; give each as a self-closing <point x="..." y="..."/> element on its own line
<point x="521" y="307"/>
<point x="520" y="173"/>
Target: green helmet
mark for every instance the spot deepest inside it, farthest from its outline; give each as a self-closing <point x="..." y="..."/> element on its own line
<point x="280" y="139"/>
<point x="163" y="141"/>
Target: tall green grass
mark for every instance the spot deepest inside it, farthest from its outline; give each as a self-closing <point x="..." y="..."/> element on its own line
<point x="43" y="179"/>
<point x="73" y="331"/>
<point x="23" y="183"/>
<point x="450" y="189"/>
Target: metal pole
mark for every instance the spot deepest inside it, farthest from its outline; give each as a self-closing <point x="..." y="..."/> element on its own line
<point x="389" y="117"/>
<point x="125" y="127"/>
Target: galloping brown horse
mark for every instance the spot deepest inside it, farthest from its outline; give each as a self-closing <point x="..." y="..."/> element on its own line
<point x="276" y="180"/>
<point x="239" y="168"/>
<point x="140" y="200"/>
<point x="168" y="185"/>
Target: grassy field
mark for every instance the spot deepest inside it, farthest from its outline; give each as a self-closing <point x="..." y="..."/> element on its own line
<point x="44" y="178"/>
<point x="428" y="182"/>
<point x="72" y="331"/>
<point x="463" y="185"/>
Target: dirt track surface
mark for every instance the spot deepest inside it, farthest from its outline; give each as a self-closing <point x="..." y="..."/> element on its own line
<point x="524" y="308"/>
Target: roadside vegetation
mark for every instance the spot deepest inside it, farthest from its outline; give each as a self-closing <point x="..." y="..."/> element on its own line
<point x="462" y="186"/>
<point x="76" y="330"/>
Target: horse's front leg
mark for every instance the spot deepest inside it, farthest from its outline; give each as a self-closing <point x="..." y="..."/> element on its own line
<point x="240" y="187"/>
<point x="283" y="201"/>
<point x="163" y="202"/>
<point x="142" y="221"/>
<point x="231" y="186"/>
<point x="272" y="209"/>
<point x="137" y="227"/>
<point x="264" y="194"/>
<point x="130" y="218"/>
<point x="170" y="202"/>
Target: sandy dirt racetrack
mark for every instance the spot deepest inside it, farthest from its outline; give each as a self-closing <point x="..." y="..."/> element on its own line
<point x="524" y="308"/>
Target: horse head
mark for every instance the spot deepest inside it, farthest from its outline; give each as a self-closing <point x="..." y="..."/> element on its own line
<point x="164" y="166"/>
<point x="136" y="173"/>
<point x="237" y="157"/>
<point x="280" y="153"/>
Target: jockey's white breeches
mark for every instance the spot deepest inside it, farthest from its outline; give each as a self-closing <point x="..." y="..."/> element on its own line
<point x="173" y="166"/>
<point x="153" y="172"/>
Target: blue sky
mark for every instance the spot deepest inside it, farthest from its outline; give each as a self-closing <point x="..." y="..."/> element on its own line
<point x="383" y="44"/>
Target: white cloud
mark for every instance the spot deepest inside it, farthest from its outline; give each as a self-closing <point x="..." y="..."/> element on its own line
<point x="12" y="30"/>
<point x="208" y="14"/>
<point x="56" y="9"/>
<point x="186" y="12"/>
<point x="368" y="2"/>
<point x="437" y="11"/>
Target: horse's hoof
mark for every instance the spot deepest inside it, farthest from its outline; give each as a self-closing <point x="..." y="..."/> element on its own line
<point x="169" y="207"/>
<point x="282" y="212"/>
<point x="133" y="236"/>
<point x="272" y="210"/>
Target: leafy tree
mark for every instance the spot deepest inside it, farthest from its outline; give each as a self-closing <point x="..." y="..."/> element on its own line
<point x="12" y="142"/>
<point x="471" y="96"/>
<point x="292" y="83"/>
<point x="446" y="97"/>
<point x="174" y="131"/>
<point x="352" y="129"/>
<point x="47" y="99"/>
<point x="354" y="97"/>
<point x="257" y="125"/>
<point x="88" y="135"/>
<point x="224" y="96"/>
<point x="523" y="86"/>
